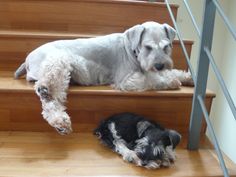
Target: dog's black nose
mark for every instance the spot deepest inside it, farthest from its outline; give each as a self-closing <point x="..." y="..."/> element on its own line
<point x="159" y="66"/>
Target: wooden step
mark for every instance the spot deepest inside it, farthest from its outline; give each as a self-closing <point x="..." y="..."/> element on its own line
<point x="48" y="154"/>
<point x="80" y="16"/>
<point x="20" y="108"/>
<point x="15" y="45"/>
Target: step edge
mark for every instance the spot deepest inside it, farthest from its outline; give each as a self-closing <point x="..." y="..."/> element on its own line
<point x="166" y="94"/>
<point x="134" y="2"/>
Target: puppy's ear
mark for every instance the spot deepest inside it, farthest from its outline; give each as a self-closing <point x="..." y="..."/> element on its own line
<point x="142" y="126"/>
<point x="170" y="32"/>
<point x="100" y="128"/>
<point x="175" y="137"/>
<point x="134" y="35"/>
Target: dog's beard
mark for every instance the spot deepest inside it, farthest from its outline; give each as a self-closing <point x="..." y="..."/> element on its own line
<point x="170" y="153"/>
<point x="154" y="157"/>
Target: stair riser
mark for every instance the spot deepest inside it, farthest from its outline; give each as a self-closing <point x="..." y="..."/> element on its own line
<point x="89" y="17"/>
<point x="22" y="111"/>
<point x="13" y="51"/>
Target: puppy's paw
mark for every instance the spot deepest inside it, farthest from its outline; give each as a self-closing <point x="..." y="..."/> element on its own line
<point x="131" y="157"/>
<point x="153" y="165"/>
<point x="175" y="84"/>
<point x="165" y="163"/>
<point x="62" y="124"/>
<point x="188" y="80"/>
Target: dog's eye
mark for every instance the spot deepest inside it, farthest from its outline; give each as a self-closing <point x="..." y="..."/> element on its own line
<point x="148" y="47"/>
<point x="167" y="48"/>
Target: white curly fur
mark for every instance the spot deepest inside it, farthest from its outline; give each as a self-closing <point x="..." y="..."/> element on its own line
<point x="126" y="60"/>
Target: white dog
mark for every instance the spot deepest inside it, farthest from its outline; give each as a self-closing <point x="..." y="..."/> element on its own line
<point x="136" y="60"/>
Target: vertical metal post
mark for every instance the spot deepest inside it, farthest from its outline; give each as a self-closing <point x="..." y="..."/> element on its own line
<point x="202" y="75"/>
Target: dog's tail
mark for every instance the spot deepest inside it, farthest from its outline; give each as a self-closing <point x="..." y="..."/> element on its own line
<point x="20" y="71"/>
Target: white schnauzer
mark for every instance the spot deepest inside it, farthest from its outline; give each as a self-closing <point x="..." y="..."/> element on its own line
<point x="138" y="140"/>
<point x="136" y="60"/>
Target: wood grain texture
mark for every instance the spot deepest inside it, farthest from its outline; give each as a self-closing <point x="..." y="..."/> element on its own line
<point x="15" y="46"/>
<point x="80" y="16"/>
<point x="48" y="154"/>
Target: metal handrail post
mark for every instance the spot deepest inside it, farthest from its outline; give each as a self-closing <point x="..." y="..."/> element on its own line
<point x="214" y="139"/>
<point x="202" y="75"/>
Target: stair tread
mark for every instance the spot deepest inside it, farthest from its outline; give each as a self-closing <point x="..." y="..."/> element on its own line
<point x="55" y="35"/>
<point x="49" y="154"/>
<point x="42" y="34"/>
<point x="9" y="84"/>
<point x="133" y="2"/>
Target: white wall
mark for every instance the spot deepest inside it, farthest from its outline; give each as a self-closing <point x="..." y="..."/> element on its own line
<point x="224" y="51"/>
<point x="222" y="118"/>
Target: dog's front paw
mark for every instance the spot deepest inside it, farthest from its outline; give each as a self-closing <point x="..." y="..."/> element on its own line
<point x="187" y="80"/>
<point x="62" y="124"/>
<point x="153" y="165"/>
<point x="131" y="157"/>
<point x="175" y="84"/>
<point x="166" y="163"/>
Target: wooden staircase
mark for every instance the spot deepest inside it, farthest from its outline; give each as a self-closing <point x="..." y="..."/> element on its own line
<point x="30" y="147"/>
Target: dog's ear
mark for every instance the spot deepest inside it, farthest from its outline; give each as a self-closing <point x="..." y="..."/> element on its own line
<point x="100" y="128"/>
<point x="142" y="126"/>
<point x="134" y="35"/>
<point x="170" y="32"/>
<point x="175" y="137"/>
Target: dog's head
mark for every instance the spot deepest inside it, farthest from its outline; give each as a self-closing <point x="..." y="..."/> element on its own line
<point x="151" y="44"/>
<point x="157" y="146"/>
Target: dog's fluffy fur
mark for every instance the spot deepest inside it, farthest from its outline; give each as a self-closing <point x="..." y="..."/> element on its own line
<point x="138" y="59"/>
<point x="139" y="140"/>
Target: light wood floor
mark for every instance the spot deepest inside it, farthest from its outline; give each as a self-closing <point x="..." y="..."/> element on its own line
<point x="49" y="154"/>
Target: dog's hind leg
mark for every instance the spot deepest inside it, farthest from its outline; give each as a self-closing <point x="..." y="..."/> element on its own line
<point x="54" y="78"/>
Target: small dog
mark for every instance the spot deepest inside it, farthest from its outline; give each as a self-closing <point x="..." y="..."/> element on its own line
<point x="140" y="141"/>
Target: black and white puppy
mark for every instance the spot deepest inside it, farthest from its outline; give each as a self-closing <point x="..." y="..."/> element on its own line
<point x="138" y="140"/>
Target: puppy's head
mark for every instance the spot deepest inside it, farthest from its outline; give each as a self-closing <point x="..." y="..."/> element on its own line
<point x="151" y="43"/>
<point x="156" y="148"/>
